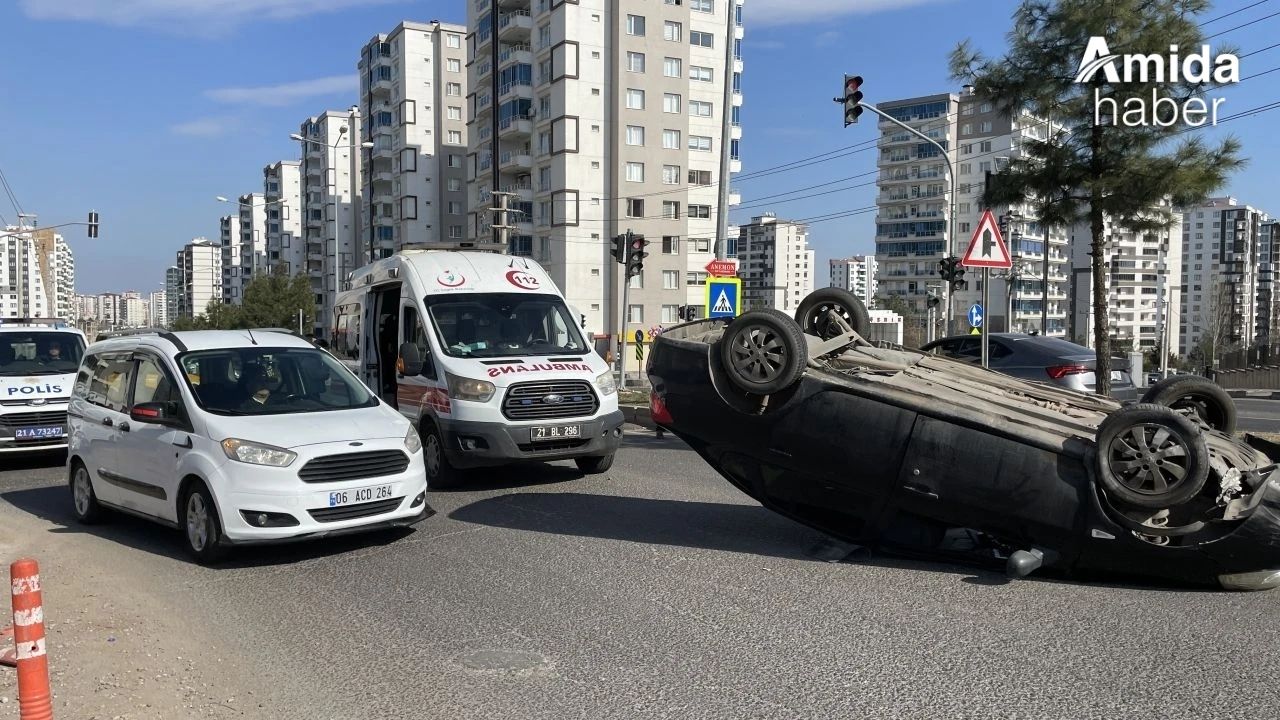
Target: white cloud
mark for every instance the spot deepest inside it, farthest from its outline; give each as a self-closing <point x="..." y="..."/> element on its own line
<point x="200" y="16"/>
<point x="796" y="12"/>
<point x="286" y="93"/>
<point x="204" y="127"/>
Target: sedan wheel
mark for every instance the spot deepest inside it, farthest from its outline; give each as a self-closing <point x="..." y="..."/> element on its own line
<point x="763" y="352"/>
<point x="1151" y="457"/>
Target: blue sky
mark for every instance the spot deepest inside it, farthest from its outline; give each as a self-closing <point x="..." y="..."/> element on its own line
<point x="146" y="109"/>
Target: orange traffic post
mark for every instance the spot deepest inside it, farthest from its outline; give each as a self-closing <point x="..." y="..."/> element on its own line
<point x="35" y="702"/>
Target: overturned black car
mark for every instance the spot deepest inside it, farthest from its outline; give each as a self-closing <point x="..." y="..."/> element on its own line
<point x="891" y="448"/>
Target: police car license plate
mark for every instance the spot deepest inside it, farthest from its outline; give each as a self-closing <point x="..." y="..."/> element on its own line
<point x="555" y="432"/>
<point x="38" y="433"/>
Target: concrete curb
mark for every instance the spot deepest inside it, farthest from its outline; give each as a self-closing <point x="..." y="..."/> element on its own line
<point x="637" y="415"/>
<point x="1255" y="394"/>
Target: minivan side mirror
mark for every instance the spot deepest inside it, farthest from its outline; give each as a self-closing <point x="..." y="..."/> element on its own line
<point x="158" y="413"/>
<point x="411" y="360"/>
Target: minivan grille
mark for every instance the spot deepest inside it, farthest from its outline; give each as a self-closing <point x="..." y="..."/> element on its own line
<point x="51" y="418"/>
<point x="528" y="401"/>
<point x="354" y="466"/>
<point x="352" y="512"/>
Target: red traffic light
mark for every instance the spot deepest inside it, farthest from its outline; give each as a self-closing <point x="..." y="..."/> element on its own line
<point x="851" y="85"/>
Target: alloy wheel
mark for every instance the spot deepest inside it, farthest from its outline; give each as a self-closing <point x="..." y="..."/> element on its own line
<point x="1149" y="459"/>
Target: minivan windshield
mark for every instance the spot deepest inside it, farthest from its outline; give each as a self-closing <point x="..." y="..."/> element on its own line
<point x="271" y="381"/>
<point x="39" y="353"/>
<point x="505" y="325"/>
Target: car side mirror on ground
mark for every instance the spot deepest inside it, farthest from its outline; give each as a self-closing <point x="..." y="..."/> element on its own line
<point x="158" y="413"/>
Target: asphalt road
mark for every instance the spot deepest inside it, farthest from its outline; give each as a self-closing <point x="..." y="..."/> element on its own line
<point x="1258" y="415"/>
<point x="658" y="591"/>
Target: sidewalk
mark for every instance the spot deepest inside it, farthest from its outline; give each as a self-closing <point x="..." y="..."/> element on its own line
<point x="1255" y="394"/>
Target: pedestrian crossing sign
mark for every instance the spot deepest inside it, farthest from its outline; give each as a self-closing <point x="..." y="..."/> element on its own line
<point x="724" y="297"/>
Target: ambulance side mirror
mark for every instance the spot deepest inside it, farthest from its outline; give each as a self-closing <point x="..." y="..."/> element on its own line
<point x="411" y="362"/>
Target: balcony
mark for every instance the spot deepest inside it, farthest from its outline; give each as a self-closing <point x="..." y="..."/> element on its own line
<point x="516" y="25"/>
<point x="383" y="198"/>
<point x="519" y="53"/>
<point x="522" y="189"/>
<point x="315" y="150"/>
<point x="379" y="87"/>
<point x="315" y="221"/>
<point x="510" y="159"/>
<point x="514" y="90"/>
<point x="382" y="151"/>
<point x="381" y="176"/>
<point x="515" y="126"/>
<point x="735" y="197"/>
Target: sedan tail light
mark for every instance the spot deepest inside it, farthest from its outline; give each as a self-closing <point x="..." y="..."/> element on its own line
<point x="1057" y="372"/>
<point x="658" y="409"/>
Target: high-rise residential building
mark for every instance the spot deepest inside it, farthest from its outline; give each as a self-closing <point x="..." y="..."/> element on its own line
<point x="330" y="205"/>
<point x="174" y="294"/>
<point x="857" y="274"/>
<point x="775" y="263"/>
<point x="912" y="222"/>
<point x="199" y="265"/>
<point x="595" y="118"/>
<point x="1143" y="286"/>
<point x="252" y="246"/>
<point x="158" y="308"/>
<point x="413" y="90"/>
<point x="282" y="198"/>
<point x="1222" y="277"/>
<point x="229" y="239"/>
<point x="1267" y="333"/>
<point x="37" y="274"/>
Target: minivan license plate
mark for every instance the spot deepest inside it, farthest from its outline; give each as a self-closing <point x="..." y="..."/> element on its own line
<point x="38" y="433"/>
<point x="338" y="498"/>
<point x="555" y="432"/>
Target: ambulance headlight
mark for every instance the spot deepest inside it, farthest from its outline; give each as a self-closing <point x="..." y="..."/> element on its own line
<point x="605" y="384"/>
<point x="461" y="388"/>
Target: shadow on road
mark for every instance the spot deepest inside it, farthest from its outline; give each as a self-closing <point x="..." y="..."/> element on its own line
<point x="36" y="461"/>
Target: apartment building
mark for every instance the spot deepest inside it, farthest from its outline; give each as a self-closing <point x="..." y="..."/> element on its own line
<point x="330" y="205"/>
<point x="775" y="263"/>
<point x="857" y="274"/>
<point x="593" y="119"/>
<point x="198" y="279"/>
<point x="250" y="250"/>
<point x="229" y="239"/>
<point x="413" y="89"/>
<point x="174" y="294"/>
<point x="37" y="274"/>
<point x="1143" y="286"/>
<point x="1222" y="275"/>
<point x="158" y="308"/>
<point x="914" y="205"/>
<point x="282" y="201"/>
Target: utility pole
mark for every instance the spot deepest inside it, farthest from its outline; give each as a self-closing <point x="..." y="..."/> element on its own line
<point x="622" y="327"/>
<point x="21" y="269"/>
<point x="502" y="229"/>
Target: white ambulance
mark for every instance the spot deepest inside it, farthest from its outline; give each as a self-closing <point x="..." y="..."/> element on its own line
<point x="481" y="353"/>
<point x="38" y="362"/>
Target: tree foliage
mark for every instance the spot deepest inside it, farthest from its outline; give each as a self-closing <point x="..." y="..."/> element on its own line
<point x="270" y="300"/>
<point x="1090" y="168"/>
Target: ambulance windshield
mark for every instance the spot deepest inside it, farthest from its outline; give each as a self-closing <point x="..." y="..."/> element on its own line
<point x="505" y="325"/>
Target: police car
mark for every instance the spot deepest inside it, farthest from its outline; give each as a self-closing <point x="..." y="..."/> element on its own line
<point x="38" y="362"/>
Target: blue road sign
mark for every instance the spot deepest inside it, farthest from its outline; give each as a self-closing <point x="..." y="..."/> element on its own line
<point x="724" y="297"/>
<point x="975" y="316"/>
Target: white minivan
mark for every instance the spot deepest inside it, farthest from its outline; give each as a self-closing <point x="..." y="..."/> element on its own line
<point x="238" y="437"/>
<point x="481" y="353"/>
<point x="38" y="361"/>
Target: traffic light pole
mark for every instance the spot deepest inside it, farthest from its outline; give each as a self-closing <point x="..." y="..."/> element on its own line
<point x="951" y="234"/>
<point x="622" y="328"/>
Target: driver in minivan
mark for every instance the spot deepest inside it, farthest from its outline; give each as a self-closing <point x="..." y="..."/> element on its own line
<point x="255" y="388"/>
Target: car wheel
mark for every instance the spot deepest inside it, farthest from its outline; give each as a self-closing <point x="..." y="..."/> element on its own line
<point x="594" y="465"/>
<point x="200" y="524"/>
<point x="812" y="315"/>
<point x="440" y="474"/>
<point x="1182" y="392"/>
<point x="84" y="502"/>
<point x="1151" y="457"/>
<point x="763" y="352"/>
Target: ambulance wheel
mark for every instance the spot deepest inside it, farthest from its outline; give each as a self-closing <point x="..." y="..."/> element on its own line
<point x="440" y="474"/>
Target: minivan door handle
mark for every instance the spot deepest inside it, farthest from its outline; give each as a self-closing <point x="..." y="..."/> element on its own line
<point x="108" y="422"/>
<point x="124" y="427"/>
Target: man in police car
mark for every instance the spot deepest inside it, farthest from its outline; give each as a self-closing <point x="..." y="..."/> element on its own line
<point x="52" y="353"/>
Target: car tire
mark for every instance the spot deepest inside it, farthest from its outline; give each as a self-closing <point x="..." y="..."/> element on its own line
<point x="201" y="526"/>
<point x="1180" y="392"/>
<point x="1151" y="457"/>
<point x="594" y="465"/>
<point x="84" y="501"/>
<point x="440" y="474"/>
<point x="763" y="352"/>
<point x="812" y="313"/>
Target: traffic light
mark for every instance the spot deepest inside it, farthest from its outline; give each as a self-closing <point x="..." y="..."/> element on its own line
<point x="957" y="282"/>
<point x="934" y="301"/>
<point x="93" y="224"/>
<point x="636" y="255"/>
<point x="619" y="251"/>
<point x="852" y="99"/>
<point x="951" y="271"/>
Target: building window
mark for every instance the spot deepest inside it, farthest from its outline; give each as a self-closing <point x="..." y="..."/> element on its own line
<point x="699" y="108"/>
<point x="670" y="103"/>
<point x="635" y="314"/>
<point x="453" y="65"/>
<point x="671" y="67"/>
<point x="635" y="25"/>
<point x="671" y="139"/>
<point x="455" y="207"/>
<point x="699" y="211"/>
<point x="670" y="174"/>
<point x="695" y="278"/>
<point x="635" y="172"/>
<point x="453" y="41"/>
<point x="701" y="74"/>
<point x="453" y="113"/>
<point x="635" y="207"/>
<point x="455" y="184"/>
<point x="453" y="89"/>
<point x="985" y="126"/>
<point x="455" y="137"/>
<point x="984" y="146"/>
<point x="672" y="31"/>
<point x="670" y="313"/>
<point x="699" y="177"/>
<point x="670" y="246"/>
<point x="635" y="135"/>
<point x="701" y="39"/>
<point x="700" y="142"/>
<point x="670" y="209"/>
<point x="635" y="99"/>
<point x="455" y="232"/>
<point x="702" y="5"/>
<point x="635" y="62"/>
<point x="701" y="245"/>
<point x="966" y="129"/>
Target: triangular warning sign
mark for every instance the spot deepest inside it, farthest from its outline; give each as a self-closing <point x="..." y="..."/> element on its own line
<point x="987" y="248"/>
<point x="722" y="303"/>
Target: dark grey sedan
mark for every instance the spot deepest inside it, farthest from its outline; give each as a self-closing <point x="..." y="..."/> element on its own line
<point x="1035" y="357"/>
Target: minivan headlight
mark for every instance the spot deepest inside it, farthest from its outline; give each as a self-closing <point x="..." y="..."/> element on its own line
<point x="412" y="441"/>
<point x="461" y="388"/>
<point x="256" y="453"/>
<point x="605" y="384"/>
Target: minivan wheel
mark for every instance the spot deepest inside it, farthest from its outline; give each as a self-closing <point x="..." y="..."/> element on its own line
<point x="83" y="500"/>
<point x="440" y="474"/>
<point x="200" y="524"/>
